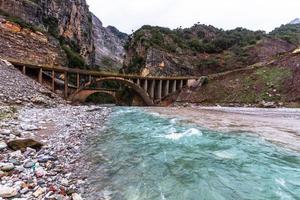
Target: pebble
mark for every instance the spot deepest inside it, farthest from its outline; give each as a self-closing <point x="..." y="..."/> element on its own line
<point x="29" y="164"/>
<point x="5" y="132"/>
<point x="6" y="167"/>
<point x="46" y="172"/>
<point x="29" y="127"/>
<point x="40" y="172"/>
<point x="7" y="192"/>
<point x="39" y="192"/>
<point x="3" y="145"/>
<point x="76" y="196"/>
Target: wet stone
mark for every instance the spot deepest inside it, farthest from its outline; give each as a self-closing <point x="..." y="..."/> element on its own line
<point x="29" y="164"/>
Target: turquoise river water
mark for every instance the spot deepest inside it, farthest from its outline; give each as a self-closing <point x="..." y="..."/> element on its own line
<point x="141" y="156"/>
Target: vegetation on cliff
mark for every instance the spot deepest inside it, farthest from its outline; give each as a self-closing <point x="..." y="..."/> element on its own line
<point x="204" y="49"/>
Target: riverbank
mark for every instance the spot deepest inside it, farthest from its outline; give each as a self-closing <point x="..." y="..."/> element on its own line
<point x="54" y="172"/>
<point x="280" y="126"/>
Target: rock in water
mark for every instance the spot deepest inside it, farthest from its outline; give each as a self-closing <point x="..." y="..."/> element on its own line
<point x="6" y="192"/>
<point x="22" y="144"/>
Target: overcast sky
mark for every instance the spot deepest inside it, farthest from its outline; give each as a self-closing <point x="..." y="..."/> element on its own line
<point x="128" y="15"/>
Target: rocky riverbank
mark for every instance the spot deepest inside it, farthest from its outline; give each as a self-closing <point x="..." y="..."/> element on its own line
<point x="41" y="139"/>
<point x="55" y="170"/>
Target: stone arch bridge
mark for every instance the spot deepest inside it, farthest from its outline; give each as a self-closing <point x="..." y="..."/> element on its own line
<point x="78" y="84"/>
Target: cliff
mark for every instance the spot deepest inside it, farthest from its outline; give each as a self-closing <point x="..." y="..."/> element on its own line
<point x="72" y="35"/>
<point x="109" y="46"/>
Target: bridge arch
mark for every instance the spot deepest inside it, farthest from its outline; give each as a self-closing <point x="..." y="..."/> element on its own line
<point x="82" y="96"/>
<point x="83" y="91"/>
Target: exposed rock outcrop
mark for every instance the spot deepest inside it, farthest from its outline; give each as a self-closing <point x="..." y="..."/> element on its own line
<point x="28" y="46"/>
<point x="203" y="50"/>
<point x="67" y="20"/>
<point x="67" y="25"/>
<point x="109" y="46"/>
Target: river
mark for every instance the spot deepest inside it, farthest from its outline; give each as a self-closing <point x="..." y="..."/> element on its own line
<point x="143" y="155"/>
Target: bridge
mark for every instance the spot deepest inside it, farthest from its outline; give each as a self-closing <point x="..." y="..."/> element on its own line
<point x="78" y="84"/>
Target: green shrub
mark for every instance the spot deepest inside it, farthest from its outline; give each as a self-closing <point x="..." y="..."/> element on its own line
<point x="75" y="60"/>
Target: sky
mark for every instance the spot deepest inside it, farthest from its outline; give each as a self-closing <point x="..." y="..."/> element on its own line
<point x="128" y="15"/>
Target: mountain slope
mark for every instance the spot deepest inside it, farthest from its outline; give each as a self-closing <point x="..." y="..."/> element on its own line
<point x="295" y="21"/>
<point x="202" y="50"/>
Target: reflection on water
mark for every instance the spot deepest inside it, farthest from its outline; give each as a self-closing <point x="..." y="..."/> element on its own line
<point x="143" y="156"/>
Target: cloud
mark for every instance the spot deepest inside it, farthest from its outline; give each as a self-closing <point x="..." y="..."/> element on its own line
<point x="129" y="15"/>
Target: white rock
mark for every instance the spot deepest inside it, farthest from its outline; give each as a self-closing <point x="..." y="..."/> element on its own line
<point x="29" y="127"/>
<point x="40" y="172"/>
<point x="3" y="145"/>
<point x="6" y="166"/>
<point x="39" y="192"/>
<point x="76" y="196"/>
<point x="5" y="132"/>
<point x="6" y="192"/>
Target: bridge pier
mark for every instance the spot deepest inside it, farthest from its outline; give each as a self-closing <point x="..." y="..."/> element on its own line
<point x="24" y="69"/>
<point x="40" y="76"/>
<point x="152" y="88"/>
<point x="53" y="80"/>
<point x="158" y="89"/>
<point x="145" y="85"/>
<point x="174" y="85"/>
<point x="78" y="80"/>
<point x="138" y="82"/>
<point x="66" y="84"/>
<point x="181" y="84"/>
<point x="166" y="85"/>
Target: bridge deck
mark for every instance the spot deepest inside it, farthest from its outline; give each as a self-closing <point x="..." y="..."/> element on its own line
<point x="97" y="73"/>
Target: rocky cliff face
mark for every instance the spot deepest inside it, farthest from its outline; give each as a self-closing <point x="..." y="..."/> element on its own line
<point x="109" y="46"/>
<point x="23" y="44"/>
<point x="66" y="25"/>
<point x="66" y="20"/>
<point x="203" y="50"/>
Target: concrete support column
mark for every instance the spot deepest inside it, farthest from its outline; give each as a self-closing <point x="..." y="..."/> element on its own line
<point x="53" y="81"/>
<point x="66" y="84"/>
<point x="78" y="80"/>
<point x="90" y="78"/>
<point x="159" y="89"/>
<point x="181" y="84"/>
<point x="138" y="82"/>
<point x="40" y="76"/>
<point x="174" y="86"/>
<point x="145" y="86"/>
<point x="24" y="69"/>
<point x="166" y="85"/>
<point x="152" y="88"/>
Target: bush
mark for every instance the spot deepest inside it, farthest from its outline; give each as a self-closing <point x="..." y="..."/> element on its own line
<point x="289" y="33"/>
<point x="75" y="60"/>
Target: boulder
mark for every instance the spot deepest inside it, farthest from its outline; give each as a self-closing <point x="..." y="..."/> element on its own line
<point x="22" y="144"/>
